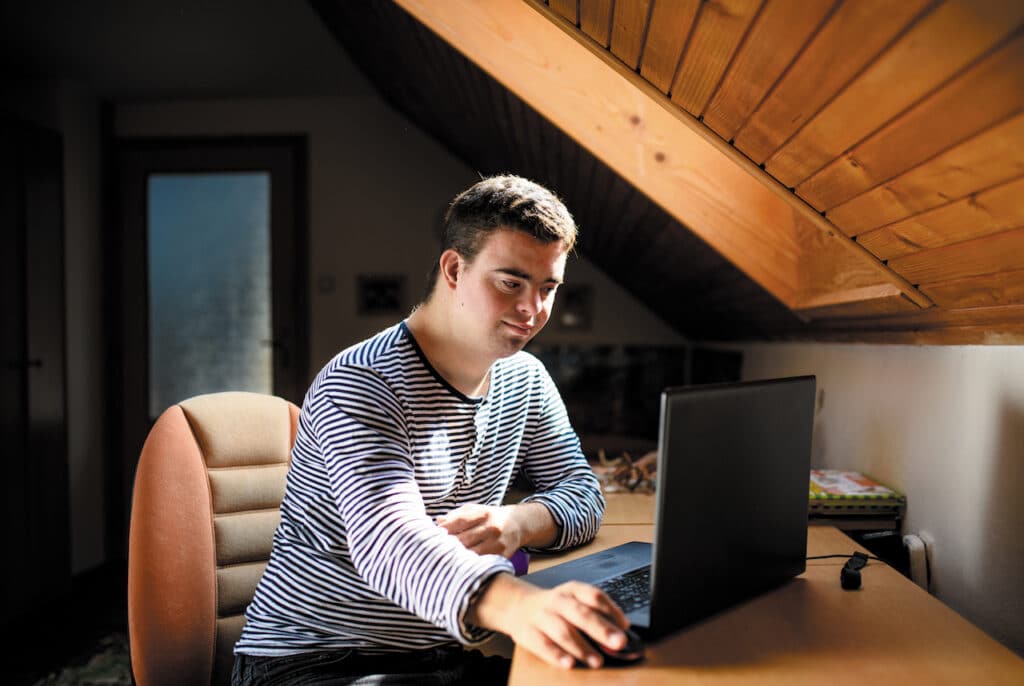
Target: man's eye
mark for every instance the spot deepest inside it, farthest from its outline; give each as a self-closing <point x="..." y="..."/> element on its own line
<point x="548" y="291"/>
<point x="511" y="285"/>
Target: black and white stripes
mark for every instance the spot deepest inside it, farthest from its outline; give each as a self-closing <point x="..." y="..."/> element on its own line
<point x="384" y="446"/>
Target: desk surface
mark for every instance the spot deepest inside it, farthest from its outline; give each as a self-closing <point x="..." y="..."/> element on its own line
<point x="809" y="631"/>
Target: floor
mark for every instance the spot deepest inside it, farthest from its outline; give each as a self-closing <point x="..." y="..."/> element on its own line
<point x="93" y="621"/>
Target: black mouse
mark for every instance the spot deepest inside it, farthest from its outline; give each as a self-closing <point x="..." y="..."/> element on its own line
<point x="628" y="654"/>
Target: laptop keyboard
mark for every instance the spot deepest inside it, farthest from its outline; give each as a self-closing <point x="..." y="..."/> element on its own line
<point x="631" y="590"/>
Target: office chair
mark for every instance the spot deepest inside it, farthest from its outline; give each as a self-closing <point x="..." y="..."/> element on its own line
<point x="208" y="486"/>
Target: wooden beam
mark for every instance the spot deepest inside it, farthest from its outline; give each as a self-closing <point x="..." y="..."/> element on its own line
<point x="627" y="123"/>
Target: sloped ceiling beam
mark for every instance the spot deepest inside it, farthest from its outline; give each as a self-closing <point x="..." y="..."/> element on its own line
<point x="744" y="214"/>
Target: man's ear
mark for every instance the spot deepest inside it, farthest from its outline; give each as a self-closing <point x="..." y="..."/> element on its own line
<point x="451" y="267"/>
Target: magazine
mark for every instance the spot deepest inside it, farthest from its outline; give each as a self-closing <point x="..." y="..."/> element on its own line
<point x="835" y="492"/>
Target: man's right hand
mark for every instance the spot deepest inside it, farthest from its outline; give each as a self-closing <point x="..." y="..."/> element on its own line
<point x="548" y="622"/>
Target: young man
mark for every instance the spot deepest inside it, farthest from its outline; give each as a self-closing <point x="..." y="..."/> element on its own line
<point x="393" y="543"/>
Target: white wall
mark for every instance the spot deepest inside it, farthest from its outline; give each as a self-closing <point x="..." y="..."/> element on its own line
<point x="73" y="111"/>
<point x="378" y="188"/>
<point x="945" y="425"/>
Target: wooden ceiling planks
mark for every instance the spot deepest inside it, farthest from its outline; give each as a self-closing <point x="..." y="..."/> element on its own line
<point x="940" y="206"/>
<point x="902" y="123"/>
<point x="851" y="38"/>
<point x="777" y="36"/>
<point x="596" y="20"/>
<point x="943" y="119"/>
<point x="750" y="222"/>
<point x="1000" y="252"/>
<point x="669" y="28"/>
<point x="567" y="9"/>
<point x="931" y="52"/>
<point x="988" y="159"/>
<point x="987" y="290"/>
<point x="994" y="210"/>
<point x="629" y="27"/>
<point x="721" y="26"/>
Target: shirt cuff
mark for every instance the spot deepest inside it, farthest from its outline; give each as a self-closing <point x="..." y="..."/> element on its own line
<point x="468" y="634"/>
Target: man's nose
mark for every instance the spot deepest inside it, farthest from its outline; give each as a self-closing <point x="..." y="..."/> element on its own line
<point x="530" y="302"/>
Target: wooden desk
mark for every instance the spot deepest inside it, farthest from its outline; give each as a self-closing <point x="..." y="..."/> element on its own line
<point x="809" y="631"/>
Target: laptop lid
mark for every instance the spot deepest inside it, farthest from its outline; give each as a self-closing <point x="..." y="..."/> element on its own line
<point x="731" y="503"/>
<point x="731" y="499"/>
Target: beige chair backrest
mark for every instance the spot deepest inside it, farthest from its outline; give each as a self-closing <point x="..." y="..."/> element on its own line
<point x="204" y="509"/>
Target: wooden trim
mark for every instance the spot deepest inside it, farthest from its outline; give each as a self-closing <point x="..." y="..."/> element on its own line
<point x="697" y="178"/>
<point x="1002" y="325"/>
<point x="872" y="300"/>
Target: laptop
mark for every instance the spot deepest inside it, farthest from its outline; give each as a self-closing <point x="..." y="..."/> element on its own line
<point x="731" y="506"/>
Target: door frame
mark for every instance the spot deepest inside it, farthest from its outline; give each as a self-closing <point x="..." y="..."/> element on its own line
<point x="285" y="157"/>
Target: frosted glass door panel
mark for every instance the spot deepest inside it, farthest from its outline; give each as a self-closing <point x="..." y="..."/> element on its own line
<point x="209" y="285"/>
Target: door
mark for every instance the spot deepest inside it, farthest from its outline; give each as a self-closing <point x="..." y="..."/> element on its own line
<point x="213" y="276"/>
<point x="33" y="424"/>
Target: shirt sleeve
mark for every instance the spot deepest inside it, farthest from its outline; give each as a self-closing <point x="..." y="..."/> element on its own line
<point x="565" y="483"/>
<point x="394" y="545"/>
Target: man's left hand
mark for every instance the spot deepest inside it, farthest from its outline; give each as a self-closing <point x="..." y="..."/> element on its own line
<point x="485" y="529"/>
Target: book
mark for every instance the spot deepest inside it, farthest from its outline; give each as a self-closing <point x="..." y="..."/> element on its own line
<point x="844" y="493"/>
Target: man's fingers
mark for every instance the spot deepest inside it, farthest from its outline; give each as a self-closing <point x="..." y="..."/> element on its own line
<point x="471" y="538"/>
<point x="563" y="646"/>
<point x="549" y="651"/>
<point x="593" y="622"/>
<point x="455" y="522"/>
<point x="597" y="599"/>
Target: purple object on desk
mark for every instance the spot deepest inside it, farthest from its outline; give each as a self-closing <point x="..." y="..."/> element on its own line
<point x="520" y="561"/>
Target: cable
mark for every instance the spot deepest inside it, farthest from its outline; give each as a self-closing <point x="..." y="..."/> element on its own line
<point x="848" y="555"/>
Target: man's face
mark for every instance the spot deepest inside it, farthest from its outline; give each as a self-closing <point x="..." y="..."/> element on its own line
<point x="504" y="296"/>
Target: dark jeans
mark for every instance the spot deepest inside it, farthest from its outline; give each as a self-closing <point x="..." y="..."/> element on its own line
<point x="434" y="667"/>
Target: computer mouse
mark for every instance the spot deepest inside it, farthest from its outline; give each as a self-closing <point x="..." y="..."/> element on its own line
<point x="630" y="653"/>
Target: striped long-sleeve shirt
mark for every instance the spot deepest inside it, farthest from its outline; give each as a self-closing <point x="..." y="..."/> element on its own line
<point x="383" y="447"/>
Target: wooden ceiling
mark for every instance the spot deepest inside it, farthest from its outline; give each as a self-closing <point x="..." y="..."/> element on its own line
<point x="822" y="169"/>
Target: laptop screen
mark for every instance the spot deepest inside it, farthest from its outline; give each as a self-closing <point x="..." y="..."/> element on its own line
<point x="731" y="522"/>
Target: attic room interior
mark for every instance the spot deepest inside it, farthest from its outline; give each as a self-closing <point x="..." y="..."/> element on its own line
<point x="763" y="189"/>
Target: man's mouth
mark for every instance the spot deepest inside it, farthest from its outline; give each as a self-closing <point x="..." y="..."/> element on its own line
<point x="523" y="329"/>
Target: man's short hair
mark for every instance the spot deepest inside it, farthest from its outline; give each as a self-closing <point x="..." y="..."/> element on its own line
<point x="502" y="202"/>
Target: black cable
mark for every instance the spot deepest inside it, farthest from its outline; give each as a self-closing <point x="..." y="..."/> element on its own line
<point x="848" y="555"/>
